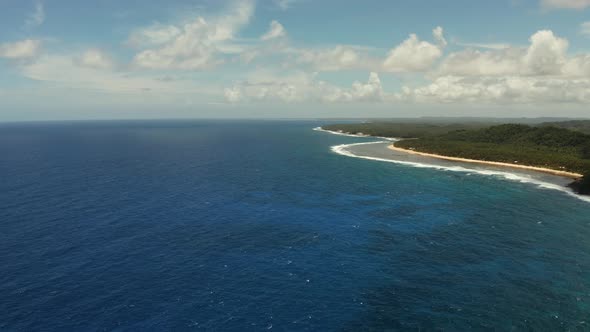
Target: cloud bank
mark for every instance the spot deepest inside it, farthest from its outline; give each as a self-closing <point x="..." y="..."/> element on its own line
<point x="272" y="68"/>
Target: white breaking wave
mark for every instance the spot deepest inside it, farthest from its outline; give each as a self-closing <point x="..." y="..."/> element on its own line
<point x="354" y="135"/>
<point x="522" y="178"/>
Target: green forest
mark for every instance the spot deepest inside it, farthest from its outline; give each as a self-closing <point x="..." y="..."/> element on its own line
<point x="582" y="126"/>
<point x="560" y="146"/>
<point x="401" y="129"/>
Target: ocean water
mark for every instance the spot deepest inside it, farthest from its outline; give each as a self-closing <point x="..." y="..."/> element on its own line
<point x="235" y="226"/>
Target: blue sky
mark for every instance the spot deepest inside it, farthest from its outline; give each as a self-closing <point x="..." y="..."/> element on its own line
<point x="106" y="59"/>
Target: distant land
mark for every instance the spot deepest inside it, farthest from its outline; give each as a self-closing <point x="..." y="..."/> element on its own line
<point x="563" y="146"/>
<point x="461" y="120"/>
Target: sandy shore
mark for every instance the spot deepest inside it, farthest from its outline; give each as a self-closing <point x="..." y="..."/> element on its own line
<point x="491" y="163"/>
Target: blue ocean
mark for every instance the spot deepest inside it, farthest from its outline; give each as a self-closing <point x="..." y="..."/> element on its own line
<point x="261" y="225"/>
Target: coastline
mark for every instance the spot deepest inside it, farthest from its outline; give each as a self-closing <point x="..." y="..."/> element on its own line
<point x="566" y="174"/>
<point x="502" y="169"/>
<point x="341" y="133"/>
<point x="489" y="163"/>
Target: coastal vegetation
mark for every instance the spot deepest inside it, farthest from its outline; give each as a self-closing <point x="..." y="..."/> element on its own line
<point x="550" y="147"/>
<point x="401" y="129"/>
<point x="582" y="126"/>
<point x="564" y="147"/>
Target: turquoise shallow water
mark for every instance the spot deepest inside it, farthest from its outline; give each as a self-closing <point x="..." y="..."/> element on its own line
<point x="167" y="225"/>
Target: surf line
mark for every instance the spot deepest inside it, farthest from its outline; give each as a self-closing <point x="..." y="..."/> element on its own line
<point x="342" y="149"/>
<point x="388" y="139"/>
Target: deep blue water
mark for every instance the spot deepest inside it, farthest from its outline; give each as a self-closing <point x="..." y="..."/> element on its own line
<point x="169" y="225"/>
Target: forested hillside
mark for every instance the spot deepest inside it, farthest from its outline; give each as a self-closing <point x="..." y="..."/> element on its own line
<point x="576" y="125"/>
<point x="544" y="146"/>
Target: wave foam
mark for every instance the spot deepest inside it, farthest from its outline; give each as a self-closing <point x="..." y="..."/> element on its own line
<point x="353" y="135"/>
<point x="522" y="178"/>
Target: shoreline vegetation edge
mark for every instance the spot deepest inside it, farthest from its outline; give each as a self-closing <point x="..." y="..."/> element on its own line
<point x="567" y="174"/>
<point x="571" y="175"/>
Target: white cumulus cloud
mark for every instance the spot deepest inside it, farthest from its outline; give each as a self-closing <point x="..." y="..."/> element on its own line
<point x="23" y="49"/>
<point x="302" y="87"/>
<point x="542" y="72"/>
<point x="371" y="91"/>
<point x="199" y="43"/>
<point x="95" y="58"/>
<point x="276" y="30"/>
<point x="415" y="55"/>
<point x="546" y="55"/>
<point x="503" y="90"/>
<point x="67" y="71"/>
<point x="156" y="34"/>
<point x="337" y="58"/>
<point x="471" y="62"/>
